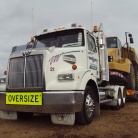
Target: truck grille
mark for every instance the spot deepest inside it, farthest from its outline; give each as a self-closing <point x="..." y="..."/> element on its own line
<point x="25" y="72"/>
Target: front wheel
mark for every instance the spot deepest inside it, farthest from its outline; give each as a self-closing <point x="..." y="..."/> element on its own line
<point x="87" y="113"/>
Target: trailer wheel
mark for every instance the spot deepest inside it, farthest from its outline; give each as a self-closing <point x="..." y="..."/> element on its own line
<point x="87" y="113"/>
<point x="24" y="115"/>
<point x="119" y="101"/>
<point x="123" y="99"/>
<point x="131" y="79"/>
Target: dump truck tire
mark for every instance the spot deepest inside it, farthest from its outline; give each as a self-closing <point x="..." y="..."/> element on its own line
<point x="136" y="78"/>
<point x="131" y="79"/>
<point x="85" y="116"/>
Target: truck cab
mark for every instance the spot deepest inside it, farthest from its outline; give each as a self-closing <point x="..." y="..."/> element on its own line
<point x="114" y="46"/>
<point x="64" y="73"/>
<point x="49" y="59"/>
<point x="54" y="73"/>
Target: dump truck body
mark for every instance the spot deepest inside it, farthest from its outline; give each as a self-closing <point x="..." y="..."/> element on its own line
<point x="123" y="61"/>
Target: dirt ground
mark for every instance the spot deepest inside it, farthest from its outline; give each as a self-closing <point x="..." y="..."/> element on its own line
<point x="111" y="124"/>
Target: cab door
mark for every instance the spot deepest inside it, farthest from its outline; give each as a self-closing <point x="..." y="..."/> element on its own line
<point x="92" y="55"/>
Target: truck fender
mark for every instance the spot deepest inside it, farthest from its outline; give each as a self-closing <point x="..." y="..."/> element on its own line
<point x="87" y="76"/>
<point x="89" y="80"/>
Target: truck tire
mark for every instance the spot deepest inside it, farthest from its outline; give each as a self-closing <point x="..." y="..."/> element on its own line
<point x="24" y="115"/>
<point x="87" y="113"/>
<point x="136" y="77"/>
<point x="131" y="79"/>
<point x="119" y="101"/>
<point x="136" y="98"/>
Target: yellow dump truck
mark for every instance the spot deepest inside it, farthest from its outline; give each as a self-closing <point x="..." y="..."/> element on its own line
<point x="123" y="64"/>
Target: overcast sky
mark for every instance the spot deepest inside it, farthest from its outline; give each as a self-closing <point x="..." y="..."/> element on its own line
<point x="16" y="22"/>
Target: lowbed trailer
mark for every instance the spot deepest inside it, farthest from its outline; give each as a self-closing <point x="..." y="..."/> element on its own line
<point x="64" y="73"/>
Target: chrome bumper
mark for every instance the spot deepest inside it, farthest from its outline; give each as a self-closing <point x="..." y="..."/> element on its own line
<point x="53" y="102"/>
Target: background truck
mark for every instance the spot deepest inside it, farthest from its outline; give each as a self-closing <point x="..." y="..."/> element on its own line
<point x="63" y="72"/>
<point x="123" y="65"/>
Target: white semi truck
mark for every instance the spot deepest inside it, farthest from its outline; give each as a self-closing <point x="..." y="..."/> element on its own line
<point x="64" y="73"/>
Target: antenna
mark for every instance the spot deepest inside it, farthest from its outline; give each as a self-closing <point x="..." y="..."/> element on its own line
<point x="91" y="14"/>
<point x="33" y="24"/>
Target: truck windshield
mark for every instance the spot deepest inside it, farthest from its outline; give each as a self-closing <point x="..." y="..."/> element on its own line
<point x="59" y="39"/>
<point x="111" y="42"/>
<point x="62" y="39"/>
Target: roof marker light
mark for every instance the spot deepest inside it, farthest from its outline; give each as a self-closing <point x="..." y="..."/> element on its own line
<point x="45" y="30"/>
<point x="79" y="25"/>
<point x="74" y="25"/>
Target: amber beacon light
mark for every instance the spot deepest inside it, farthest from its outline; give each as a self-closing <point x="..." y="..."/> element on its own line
<point x="32" y="39"/>
<point x="95" y="28"/>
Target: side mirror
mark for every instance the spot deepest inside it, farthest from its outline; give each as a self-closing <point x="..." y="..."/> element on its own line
<point x="130" y="35"/>
<point x="131" y="40"/>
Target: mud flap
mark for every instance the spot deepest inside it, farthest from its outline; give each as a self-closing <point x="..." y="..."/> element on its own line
<point x="63" y="119"/>
<point x="8" y="115"/>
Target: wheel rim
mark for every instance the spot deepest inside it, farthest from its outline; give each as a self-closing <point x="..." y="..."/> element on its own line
<point x="119" y="101"/>
<point x="89" y="106"/>
<point x="124" y="100"/>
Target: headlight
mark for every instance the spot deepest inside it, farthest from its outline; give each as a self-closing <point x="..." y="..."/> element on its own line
<point x="65" y="77"/>
<point x="2" y="80"/>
